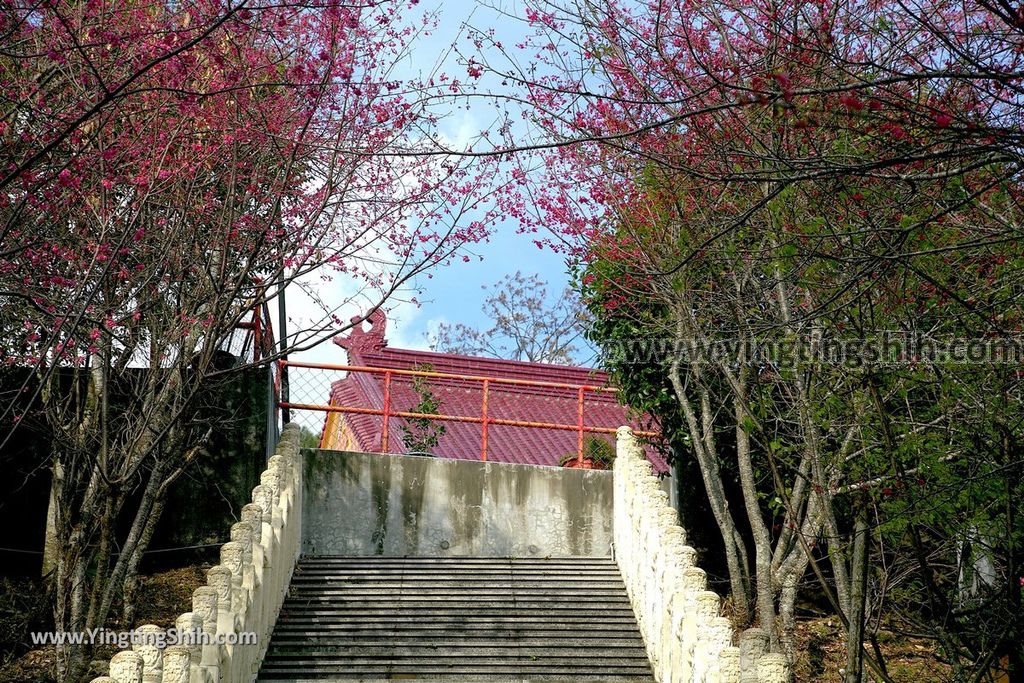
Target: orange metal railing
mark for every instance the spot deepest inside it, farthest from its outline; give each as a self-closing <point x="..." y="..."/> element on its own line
<point x="484" y="419"/>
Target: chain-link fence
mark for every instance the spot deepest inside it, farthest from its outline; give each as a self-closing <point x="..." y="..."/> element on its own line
<point x="457" y="416"/>
<point x="299" y="385"/>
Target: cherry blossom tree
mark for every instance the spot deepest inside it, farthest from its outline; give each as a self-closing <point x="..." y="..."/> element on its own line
<point x="773" y="171"/>
<point x="167" y="168"/>
<point x="806" y="419"/>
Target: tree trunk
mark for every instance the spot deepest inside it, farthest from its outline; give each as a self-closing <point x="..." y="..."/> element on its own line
<point x="114" y="580"/>
<point x="51" y="544"/>
<point x="858" y="591"/>
<point x="70" y="598"/>
<point x="765" y="599"/>
<point x="791" y="570"/>
<point x="131" y="572"/>
<point x="702" y="438"/>
<point x="107" y="528"/>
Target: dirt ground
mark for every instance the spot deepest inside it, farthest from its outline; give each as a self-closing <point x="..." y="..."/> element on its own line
<point x="822" y="655"/>
<point x="23" y="609"/>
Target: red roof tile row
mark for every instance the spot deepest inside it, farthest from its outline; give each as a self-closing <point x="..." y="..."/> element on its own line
<point x="461" y="397"/>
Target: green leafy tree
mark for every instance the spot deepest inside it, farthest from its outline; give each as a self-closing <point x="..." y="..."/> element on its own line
<point x="595" y="449"/>
<point x="810" y="464"/>
<point x="308" y="438"/>
<point x="422" y="434"/>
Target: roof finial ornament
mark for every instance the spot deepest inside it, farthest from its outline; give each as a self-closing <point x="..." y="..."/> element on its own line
<point x="365" y="340"/>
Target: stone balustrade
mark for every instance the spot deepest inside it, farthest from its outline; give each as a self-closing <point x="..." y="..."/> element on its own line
<point x="243" y="594"/>
<point x="687" y="639"/>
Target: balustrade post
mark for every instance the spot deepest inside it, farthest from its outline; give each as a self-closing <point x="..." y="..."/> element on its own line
<point x="126" y="667"/>
<point x="579" y="426"/>
<point x="385" y="427"/>
<point x="483" y="424"/>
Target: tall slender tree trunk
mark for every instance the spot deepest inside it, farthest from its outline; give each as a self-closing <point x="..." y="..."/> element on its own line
<point x="765" y="599"/>
<point x="789" y="572"/>
<point x="103" y="556"/>
<point x="70" y="608"/>
<point x="858" y="595"/>
<point x="702" y="438"/>
<point x="51" y="541"/>
<point x="130" y="585"/>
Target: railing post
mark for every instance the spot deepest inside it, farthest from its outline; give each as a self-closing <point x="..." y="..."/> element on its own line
<point x="257" y="335"/>
<point x="281" y="389"/>
<point x="579" y="427"/>
<point x="483" y="416"/>
<point x="283" y="394"/>
<point x="278" y="399"/>
<point x="387" y="413"/>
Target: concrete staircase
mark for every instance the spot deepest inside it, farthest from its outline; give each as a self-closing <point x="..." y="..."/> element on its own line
<point x="456" y="619"/>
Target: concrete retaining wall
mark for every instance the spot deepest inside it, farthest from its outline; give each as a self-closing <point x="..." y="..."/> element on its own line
<point x="408" y="505"/>
<point x="331" y="502"/>
<point x="680" y="620"/>
<point x="243" y="594"/>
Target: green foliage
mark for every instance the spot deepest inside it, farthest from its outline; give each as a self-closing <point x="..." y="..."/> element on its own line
<point x="594" y="448"/>
<point x="308" y="438"/>
<point x="422" y="434"/>
<point x="934" y="448"/>
<point x="638" y="366"/>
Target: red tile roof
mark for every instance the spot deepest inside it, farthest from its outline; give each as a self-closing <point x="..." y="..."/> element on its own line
<point x="461" y="440"/>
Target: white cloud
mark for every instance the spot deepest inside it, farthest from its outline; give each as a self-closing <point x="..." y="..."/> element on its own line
<point x="401" y="327"/>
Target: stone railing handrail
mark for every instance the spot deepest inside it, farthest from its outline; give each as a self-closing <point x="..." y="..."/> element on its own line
<point x="687" y="639"/>
<point x="243" y="594"/>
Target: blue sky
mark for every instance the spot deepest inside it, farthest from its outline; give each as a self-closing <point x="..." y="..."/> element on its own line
<point x="454" y="293"/>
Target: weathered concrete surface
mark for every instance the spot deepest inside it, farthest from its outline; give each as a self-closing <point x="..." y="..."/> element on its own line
<point x="371" y="504"/>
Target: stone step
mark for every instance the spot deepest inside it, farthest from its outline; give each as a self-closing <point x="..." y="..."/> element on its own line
<point x="504" y="583"/>
<point x="477" y="622"/>
<point x="321" y="614"/>
<point x="399" y="597"/>
<point x="464" y="665"/>
<point x="471" y="620"/>
<point x="463" y="652"/>
<point x="456" y="562"/>
<point x="447" y="606"/>
<point x="389" y="674"/>
<point x="455" y="559"/>
<point x="481" y="573"/>
<point x="526" y="639"/>
<point x="465" y="562"/>
<point x="456" y="570"/>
